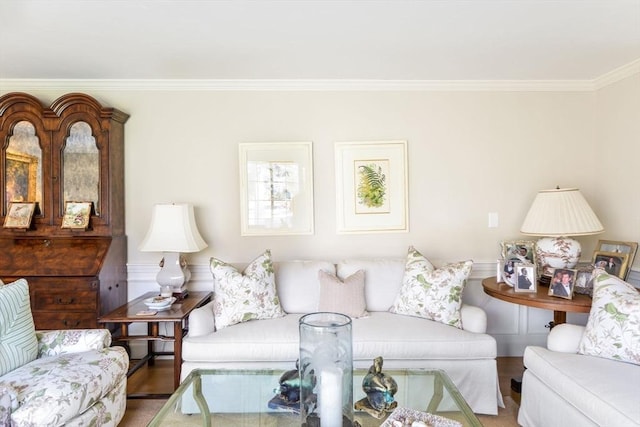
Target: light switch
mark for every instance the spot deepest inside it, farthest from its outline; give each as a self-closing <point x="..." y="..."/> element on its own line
<point x="493" y="219"/>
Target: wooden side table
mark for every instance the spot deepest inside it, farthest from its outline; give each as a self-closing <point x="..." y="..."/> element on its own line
<point x="540" y="299"/>
<point x="178" y="315"/>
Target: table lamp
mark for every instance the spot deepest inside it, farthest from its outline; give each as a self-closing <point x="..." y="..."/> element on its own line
<point x="556" y="215"/>
<point x="173" y="231"/>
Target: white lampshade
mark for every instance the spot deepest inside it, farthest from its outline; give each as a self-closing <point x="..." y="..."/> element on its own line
<point x="561" y="212"/>
<point x="556" y="215"/>
<point x="173" y="229"/>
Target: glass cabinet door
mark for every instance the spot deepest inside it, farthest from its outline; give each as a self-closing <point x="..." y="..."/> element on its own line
<point x="23" y="166"/>
<point x="81" y="167"/>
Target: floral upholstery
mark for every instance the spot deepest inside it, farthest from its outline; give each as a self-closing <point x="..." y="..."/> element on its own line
<point x="76" y="380"/>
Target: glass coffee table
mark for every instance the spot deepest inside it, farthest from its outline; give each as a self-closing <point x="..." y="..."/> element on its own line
<point x="217" y="397"/>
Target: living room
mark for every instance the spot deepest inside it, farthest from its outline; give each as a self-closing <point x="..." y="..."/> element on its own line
<point x="495" y="100"/>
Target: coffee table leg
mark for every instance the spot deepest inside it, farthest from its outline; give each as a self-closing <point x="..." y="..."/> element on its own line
<point x="200" y="400"/>
<point x="437" y="395"/>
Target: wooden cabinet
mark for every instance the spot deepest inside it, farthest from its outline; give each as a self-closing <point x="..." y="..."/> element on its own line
<point x="71" y="151"/>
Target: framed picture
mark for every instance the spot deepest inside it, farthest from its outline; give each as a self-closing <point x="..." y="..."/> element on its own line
<point x="614" y="263"/>
<point x="371" y="187"/>
<point x="276" y="188"/>
<point x="19" y="215"/>
<point x="562" y="282"/>
<point x="630" y="248"/>
<point x="584" y="279"/>
<point x="516" y="252"/>
<point x="76" y="215"/>
<point x="526" y="278"/>
<point x="21" y="177"/>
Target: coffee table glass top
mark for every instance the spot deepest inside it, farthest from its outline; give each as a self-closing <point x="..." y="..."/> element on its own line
<point x="241" y="398"/>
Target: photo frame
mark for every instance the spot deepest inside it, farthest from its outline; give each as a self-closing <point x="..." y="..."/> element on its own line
<point x="584" y="279"/>
<point x="562" y="282"/>
<point x="77" y="215"/>
<point x="19" y="215"/>
<point x="276" y="188"/>
<point x="371" y="187"/>
<point x="526" y="278"/>
<point x="614" y="263"/>
<point x="516" y="252"/>
<point x="630" y="248"/>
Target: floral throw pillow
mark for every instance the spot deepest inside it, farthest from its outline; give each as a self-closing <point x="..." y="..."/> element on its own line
<point x="239" y="297"/>
<point x="435" y="294"/>
<point x="613" y="328"/>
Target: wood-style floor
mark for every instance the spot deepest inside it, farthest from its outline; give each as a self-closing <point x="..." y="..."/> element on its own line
<point x="159" y="378"/>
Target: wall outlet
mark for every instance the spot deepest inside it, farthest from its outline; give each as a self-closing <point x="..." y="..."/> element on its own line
<point x="493" y="219"/>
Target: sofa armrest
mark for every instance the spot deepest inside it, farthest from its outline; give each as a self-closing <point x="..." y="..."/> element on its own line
<point x="54" y="343"/>
<point x="474" y="319"/>
<point x="565" y="338"/>
<point x="202" y="321"/>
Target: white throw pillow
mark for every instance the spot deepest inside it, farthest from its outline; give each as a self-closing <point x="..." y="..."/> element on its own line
<point x="435" y="294"/>
<point x="345" y="297"/>
<point x="18" y="342"/>
<point x="239" y="297"/>
<point x="613" y="328"/>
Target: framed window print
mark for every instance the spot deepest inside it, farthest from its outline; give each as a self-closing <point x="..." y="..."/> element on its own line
<point x="276" y="188"/>
<point x="371" y="187"/>
<point x="76" y="215"/>
<point x="19" y="215"/>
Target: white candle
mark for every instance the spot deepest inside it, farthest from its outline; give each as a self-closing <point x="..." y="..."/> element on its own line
<point x="330" y="397"/>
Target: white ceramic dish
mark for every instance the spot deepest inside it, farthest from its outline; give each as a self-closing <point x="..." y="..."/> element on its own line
<point x="158" y="303"/>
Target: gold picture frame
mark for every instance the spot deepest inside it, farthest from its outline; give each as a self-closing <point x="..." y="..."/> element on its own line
<point x="614" y="263"/>
<point x="630" y="248"/>
<point x="561" y="278"/>
<point x="77" y="215"/>
<point x="19" y="215"/>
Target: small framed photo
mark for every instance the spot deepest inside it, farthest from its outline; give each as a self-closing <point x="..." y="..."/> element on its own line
<point x="526" y="278"/>
<point x="563" y="281"/>
<point x="19" y="215"/>
<point x="508" y="271"/>
<point x="584" y="279"/>
<point x="76" y="215"/>
<point x="614" y="263"/>
<point x="523" y="251"/>
<point x="629" y="248"/>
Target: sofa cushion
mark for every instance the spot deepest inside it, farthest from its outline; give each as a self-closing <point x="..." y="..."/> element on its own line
<point x="613" y="328"/>
<point x="346" y="297"/>
<point x="382" y="279"/>
<point x="605" y="391"/>
<point x="434" y="294"/>
<point x="18" y="342"/>
<point x="298" y="286"/>
<point x="239" y="297"/>
<point x="66" y="385"/>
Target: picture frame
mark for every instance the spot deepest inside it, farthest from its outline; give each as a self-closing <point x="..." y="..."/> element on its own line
<point x="562" y="282"/>
<point x="516" y="252"/>
<point x="276" y="188"/>
<point x="614" y="263"/>
<point x="526" y="278"/>
<point x="76" y="215"/>
<point x="371" y="187"/>
<point x="584" y="279"/>
<point x="21" y="175"/>
<point x="630" y="248"/>
<point x="19" y="215"/>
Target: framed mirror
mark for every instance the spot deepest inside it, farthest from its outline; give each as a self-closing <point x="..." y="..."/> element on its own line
<point x="81" y="166"/>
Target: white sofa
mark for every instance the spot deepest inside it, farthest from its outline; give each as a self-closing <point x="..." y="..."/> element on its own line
<point x="467" y="355"/>
<point x="563" y="388"/>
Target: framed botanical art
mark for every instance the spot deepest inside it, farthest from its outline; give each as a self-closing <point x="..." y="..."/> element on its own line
<point x="629" y="248"/>
<point x="276" y="188"/>
<point x="76" y="215"/>
<point x="614" y="263"/>
<point x="371" y="187"/>
<point x="19" y="215"/>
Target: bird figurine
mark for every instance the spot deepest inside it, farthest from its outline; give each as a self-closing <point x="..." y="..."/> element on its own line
<point x="380" y="389"/>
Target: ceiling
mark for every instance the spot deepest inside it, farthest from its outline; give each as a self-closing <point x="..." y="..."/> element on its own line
<point x="304" y="39"/>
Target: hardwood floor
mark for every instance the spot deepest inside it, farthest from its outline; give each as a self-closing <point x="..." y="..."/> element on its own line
<point x="159" y="379"/>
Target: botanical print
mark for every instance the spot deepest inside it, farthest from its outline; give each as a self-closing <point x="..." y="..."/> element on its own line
<point x="372" y="190"/>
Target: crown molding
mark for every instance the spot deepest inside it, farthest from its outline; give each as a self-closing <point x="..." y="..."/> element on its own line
<point x="296" y="85"/>
<point x="616" y="75"/>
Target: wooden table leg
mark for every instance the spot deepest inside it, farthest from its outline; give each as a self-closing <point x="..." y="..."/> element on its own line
<point x="559" y="317"/>
<point x="177" y="353"/>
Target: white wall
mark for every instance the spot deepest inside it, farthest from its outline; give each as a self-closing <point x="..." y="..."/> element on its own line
<point x="470" y="153"/>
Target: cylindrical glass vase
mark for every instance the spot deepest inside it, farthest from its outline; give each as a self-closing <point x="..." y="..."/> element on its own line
<point x="326" y="370"/>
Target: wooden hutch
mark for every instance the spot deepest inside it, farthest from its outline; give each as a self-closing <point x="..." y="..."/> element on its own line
<point x="72" y="151"/>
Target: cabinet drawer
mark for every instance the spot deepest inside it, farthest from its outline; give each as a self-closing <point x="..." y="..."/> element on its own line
<point x="72" y="301"/>
<point x="64" y="320"/>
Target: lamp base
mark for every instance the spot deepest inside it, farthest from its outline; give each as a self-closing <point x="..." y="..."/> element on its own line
<point x="174" y="272"/>
<point x="557" y="252"/>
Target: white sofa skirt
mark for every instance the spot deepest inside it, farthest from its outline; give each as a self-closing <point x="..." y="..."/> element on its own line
<point x="404" y="342"/>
